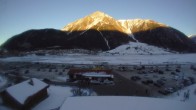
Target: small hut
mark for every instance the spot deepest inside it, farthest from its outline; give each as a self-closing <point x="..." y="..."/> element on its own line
<point x="26" y="94"/>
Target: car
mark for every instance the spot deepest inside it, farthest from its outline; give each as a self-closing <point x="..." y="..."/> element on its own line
<point x="150" y="81"/>
<point x="146" y="82"/>
<point x="160" y="82"/>
<point x="173" y="73"/>
<point x="186" y="82"/>
<point x="170" y="89"/>
<point x="176" y="77"/>
<point x="191" y="79"/>
<point x="157" y="85"/>
<point x="160" y="72"/>
<point x="163" y="79"/>
<point x="135" y="78"/>
<point x="178" y="70"/>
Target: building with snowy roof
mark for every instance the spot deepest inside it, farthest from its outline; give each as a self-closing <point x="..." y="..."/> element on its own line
<point x="26" y="94"/>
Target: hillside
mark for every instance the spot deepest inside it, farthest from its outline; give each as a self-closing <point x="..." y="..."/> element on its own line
<point x="158" y="34"/>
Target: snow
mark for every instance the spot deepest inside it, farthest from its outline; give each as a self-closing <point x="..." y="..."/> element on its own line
<point x="106" y="41"/>
<point x="132" y="36"/>
<point x="95" y="22"/>
<point x="88" y="22"/>
<point x="110" y="59"/>
<point x="23" y="90"/>
<point x="123" y="103"/>
<point x="57" y="95"/>
<point x="127" y="26"/>
<point x="179" y="95"/>
<point x="128" y="54"/>
<point x="137" y="48"/>
<point x="3" y="81"/>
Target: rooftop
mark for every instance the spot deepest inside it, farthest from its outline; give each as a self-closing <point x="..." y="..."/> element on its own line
<point x="23" y="90"/>
<point x="123" y="103"/>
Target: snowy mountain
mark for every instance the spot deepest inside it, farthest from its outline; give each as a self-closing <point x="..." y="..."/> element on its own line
<point x="99" y="31"/>
<point x="138" y="30"/>
<point x="137" y="48"/>
<point x="95" y="21"/>
<point x="99" y="26"/>
<point x="138" y="25"/>
<point x="158" y="34"/>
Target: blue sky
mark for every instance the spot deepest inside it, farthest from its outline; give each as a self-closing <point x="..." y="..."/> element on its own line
<point x="17" y="16"/>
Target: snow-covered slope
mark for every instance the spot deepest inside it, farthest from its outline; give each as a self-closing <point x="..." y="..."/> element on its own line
<point x="180" y="95"/>
<point x="137" y="48"/>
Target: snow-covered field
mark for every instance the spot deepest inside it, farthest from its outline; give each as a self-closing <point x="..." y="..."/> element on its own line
<point x="132" y="53"/>
<point x="110" y="59"/>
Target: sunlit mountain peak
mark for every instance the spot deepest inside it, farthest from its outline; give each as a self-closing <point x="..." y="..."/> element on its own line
<point x="96" y="21"/>
<point x="99" y="14"/>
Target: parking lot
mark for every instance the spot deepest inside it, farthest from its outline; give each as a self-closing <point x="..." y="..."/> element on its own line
<point x="160" y="79"/>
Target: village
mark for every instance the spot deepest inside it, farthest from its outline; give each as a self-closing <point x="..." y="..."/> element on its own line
<point x="40" y="80"/>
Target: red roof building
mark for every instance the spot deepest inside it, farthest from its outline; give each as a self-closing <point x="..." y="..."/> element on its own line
<point x="92" y="76"/>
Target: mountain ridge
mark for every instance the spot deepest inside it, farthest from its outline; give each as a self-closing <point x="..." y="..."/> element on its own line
<point x="99" y="31"/>
<point x="141" y="30"/>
